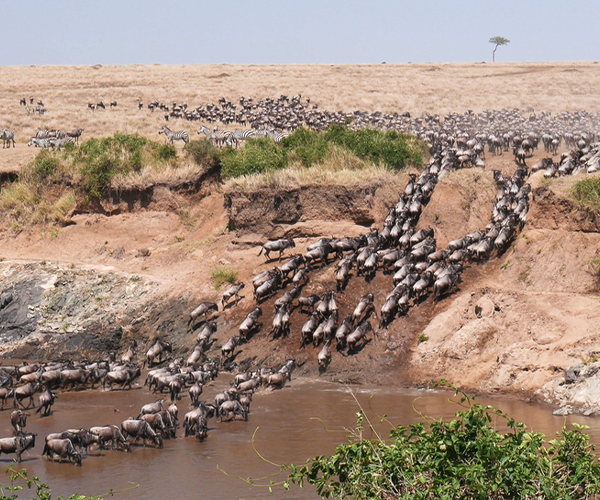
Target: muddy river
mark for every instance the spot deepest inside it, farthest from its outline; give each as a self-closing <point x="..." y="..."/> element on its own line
<point x="305" y="419"/>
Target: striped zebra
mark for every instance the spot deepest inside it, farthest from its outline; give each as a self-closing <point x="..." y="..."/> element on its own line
<point x="39" y="143"/>
<point x="58" y="144"/>
<point x="182" y="135"/>
<point x="277" y="136"/>
<point x="7" y="136"/>
<point x="238" y="136"/>
<point x="45" y="134"/>
<point x="218" y="137"/>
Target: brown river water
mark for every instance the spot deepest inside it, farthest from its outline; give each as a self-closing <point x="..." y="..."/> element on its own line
<point x="305" y="419"/>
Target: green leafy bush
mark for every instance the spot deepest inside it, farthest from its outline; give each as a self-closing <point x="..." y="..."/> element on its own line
<point x="308" y="146"/>
<point x="18" y="481"/>
<point x="392" y="149"/>
<point x="587" y="192"/>
<point x="257" y="156"/>
<point x="204" y="153"/>
<point x="100" y="160"/>
<point x="466" y="458"/>
<point x="166" y="152"/>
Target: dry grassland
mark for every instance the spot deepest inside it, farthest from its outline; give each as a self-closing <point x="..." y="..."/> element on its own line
<point x="417" y="88"/>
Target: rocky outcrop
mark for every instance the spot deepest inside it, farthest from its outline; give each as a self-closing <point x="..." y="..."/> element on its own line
<point x="48" y="311"/>
<point x="576" y="391"/>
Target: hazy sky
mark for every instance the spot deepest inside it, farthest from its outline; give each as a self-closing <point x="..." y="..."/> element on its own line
<point x="294" y="31"/>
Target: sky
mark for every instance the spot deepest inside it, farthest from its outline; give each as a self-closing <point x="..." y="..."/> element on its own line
<point x="83" y="32"/>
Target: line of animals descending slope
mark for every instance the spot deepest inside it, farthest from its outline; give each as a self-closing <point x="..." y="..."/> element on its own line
<point x="416" y="266"/>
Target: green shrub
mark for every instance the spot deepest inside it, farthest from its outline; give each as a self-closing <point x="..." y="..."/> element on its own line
<point x="465" y="458"/>
<point x="257" y="156"/>
<point x="45" y="166"/>
<point x="308" y="146"/>
<point x="587" y="192"/>
<point x="392" y="149"/>
<point x="204" y="153"/>
<point x="99" y="160"/>
<point x="166" y="152"/>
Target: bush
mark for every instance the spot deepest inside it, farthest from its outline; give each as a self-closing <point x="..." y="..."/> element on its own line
<point x="257" y="156"/>
<point x="101" y="159"/>
<point x="166" y="152"/>
<point x="204" y="153"/>
<point x="308" y="146"/>
<point x="392" y="149"/>
<point x="44" y="168"/>
<point x="587" y="192"/>
<point x="465" y="458"/>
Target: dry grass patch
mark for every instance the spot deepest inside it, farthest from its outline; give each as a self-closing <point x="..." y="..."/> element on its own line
<point x="157" y="174"/>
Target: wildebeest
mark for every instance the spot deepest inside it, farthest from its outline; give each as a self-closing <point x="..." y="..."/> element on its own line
<point x="360" y="333"/>
<point x="17" y="444"/>
<point x="18" y="420"/>
<point x="202" y="309"/>
<point x="229" y="346"/>
<point x="157" y="350"/>
<point x="46" y="400"/>
<point x="62" y="449"/>
<point x="24" y="392"/>
<point x="232" y="291"/>
<point x="277" y="246"/>
<point x="137" y="429"/>
<point x="250" y="323"/>
<point x="110" y="434"/>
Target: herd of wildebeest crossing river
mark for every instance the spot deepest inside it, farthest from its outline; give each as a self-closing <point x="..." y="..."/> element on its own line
<point x="416" y="267"/>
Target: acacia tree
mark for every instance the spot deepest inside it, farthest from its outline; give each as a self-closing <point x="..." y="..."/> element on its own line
<point x="497" y="41"/>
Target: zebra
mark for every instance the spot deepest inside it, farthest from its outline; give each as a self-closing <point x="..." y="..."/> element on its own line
<point x="58" y="144"/>
<point x="39" y="109"/>
<point x="182" y="135"/>
<point x="277" y="136"/>
<point x="218" y="137"/>
<point x="75" y="134"/>
<point x="45" y="134"/>
<point x="39" y="143"/>
<point x="221" y="136"/>
<point x="239" y="135"/>
<point x="7" y="136"/>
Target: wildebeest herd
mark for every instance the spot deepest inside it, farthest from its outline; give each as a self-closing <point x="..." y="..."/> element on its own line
<point x="417" y="268"/>
<point x="154" y="423"/>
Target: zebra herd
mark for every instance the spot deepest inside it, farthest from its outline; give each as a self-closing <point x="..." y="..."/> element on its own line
<point x="223" y="137"/>
<point x="55" y="139"/>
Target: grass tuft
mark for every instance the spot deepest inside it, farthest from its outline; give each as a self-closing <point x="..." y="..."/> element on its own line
<point x="223" y="274"/>
<point x="587" y="192"/>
